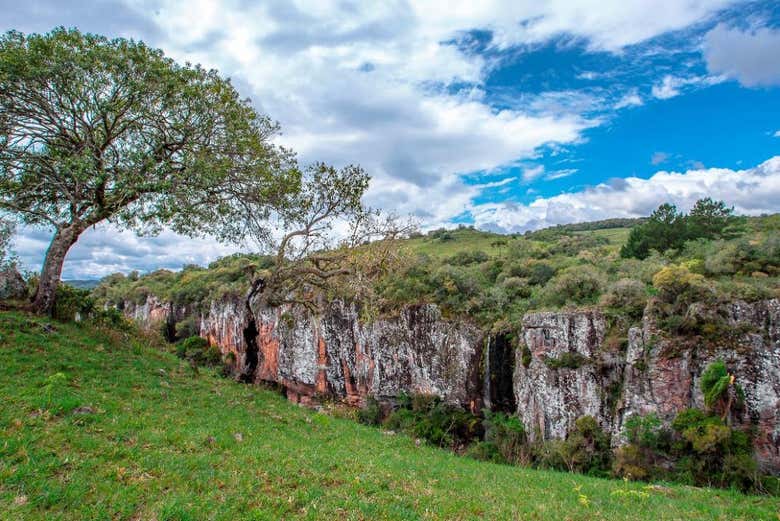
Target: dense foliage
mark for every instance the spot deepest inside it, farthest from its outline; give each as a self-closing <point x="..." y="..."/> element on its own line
<point x="97" y="129"/>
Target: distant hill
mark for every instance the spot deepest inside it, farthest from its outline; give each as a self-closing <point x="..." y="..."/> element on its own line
<point x="82" y="283"/>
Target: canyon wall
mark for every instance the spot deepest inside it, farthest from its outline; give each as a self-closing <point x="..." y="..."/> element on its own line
<point x="561" y="366"/>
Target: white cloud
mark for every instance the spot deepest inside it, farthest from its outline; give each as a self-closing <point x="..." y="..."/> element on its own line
<point x="668" y="88"/>
<point x="671" y="86"/>
<point x="381" y="84"/>
<point x="631" y="99"/>
<point x="658" y="158"/>
<point x="753" y="191"/>
<point x="533" y="172"/>
<point x="777" y="133"/>
<point x="750" y="56"/>
<point x="560" y="174"/>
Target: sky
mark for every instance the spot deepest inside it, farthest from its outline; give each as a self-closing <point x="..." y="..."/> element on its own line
<point x="508" y="116"/>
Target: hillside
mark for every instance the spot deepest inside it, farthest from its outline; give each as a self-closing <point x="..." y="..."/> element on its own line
<point x="495" y="279"/>
<point x="98" y="424"/>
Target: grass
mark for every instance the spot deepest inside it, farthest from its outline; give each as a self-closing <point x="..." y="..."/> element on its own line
<point x="94" y="425"/>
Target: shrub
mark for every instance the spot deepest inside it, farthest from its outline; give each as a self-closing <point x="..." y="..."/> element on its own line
<point x="628" y="295"/>
<point x="540" y="274"/>
<point x="70" y="301"/>
<point x="370" y="413"/>
<point x="428" y="418"/>
<point x="567" y="360"/>
<point x="465" y="258"/>
<point x="507" y="433"/>
<point x="199" y="351"/>
<point x="485" y="451"/>
<point x="574" y="285"/>
<point x="587" y="448"/>
<point x="675" y="283"/>
<point x="516" y="287"/>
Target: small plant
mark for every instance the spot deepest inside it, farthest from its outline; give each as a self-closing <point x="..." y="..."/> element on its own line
<point x="567" y="360"/>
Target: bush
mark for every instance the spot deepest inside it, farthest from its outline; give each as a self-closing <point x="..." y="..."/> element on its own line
<point x="574" y="285"/>
<point x="465" y="258"/>
<point x="540" y="274"/>
<point x="199" y="351"/>
<point x="677" y="284"/>
<point x="628" y="295"/>
<point x="370" y="413"/>
<point x="587" y="448"/>
<point x="485" y="451"/>
<point x="70" y="301"/>
<point x="567" y="360"/>
<point x="428" y="418"/>
<point x="507" y="434"/>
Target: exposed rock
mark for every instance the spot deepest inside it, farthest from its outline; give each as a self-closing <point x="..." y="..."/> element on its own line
<point x="568" y="369"/>
<point x="662" y="374"/>
<point x="551" y="396"/>
<point x="12" y="284"/>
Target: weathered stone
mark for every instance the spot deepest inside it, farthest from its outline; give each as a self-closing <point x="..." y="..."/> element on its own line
<point x="550" y="398"/>
<point x="571" y="372"/>
<point x="12" y="284"/>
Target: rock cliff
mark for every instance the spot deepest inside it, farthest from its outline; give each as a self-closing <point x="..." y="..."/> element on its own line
<point x="561" y="366"/>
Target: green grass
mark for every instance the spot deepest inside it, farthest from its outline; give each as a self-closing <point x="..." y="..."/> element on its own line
<point x="162" y="444"/>
<point x="463" y="239"/>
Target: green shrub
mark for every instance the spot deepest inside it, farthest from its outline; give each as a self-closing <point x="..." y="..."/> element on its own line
<point x="626" y="295"/>
<point x="199" y="351"/>
<point x="508" y="435"/>
<point x="70" y="301"/>
<point x="485" y="451"/>
<point x="587" y="448"/>
<point x="574" y="285"/>
<point x="567" y="360"/>
<point x="428" y="418"/>
<point x="370" y="413"/>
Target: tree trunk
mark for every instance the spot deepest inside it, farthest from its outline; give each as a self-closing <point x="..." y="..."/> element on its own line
<point x="64" y="238"/>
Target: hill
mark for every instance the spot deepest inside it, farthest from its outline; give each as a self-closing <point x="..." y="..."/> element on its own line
<point x="101" y="424"/>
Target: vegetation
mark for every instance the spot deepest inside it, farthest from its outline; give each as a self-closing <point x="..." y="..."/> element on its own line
<point x="100" y="424"/>
<point x="97" y="129"/>
<point x="496" y="279"/>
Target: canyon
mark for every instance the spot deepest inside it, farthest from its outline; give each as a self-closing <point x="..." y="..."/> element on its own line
<point x="559" y="366"/>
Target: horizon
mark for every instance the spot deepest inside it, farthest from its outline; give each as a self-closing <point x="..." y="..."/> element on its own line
<point x="507" y="118"/>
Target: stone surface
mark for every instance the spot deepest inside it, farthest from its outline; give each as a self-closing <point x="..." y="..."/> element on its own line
<point x="12" y="284"/>
<point x="335" y="354"/>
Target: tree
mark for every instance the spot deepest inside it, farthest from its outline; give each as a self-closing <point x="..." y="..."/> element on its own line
<point x="709" y="219"/>
<point x="308" y="260"/>
<point x="664" y="229"/>
<point x="720" y="391"/>
<point x="7" y="229"/>
<point x="95" y="130"/>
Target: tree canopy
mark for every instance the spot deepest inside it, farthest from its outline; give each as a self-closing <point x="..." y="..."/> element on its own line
<point x="668" y="228"/>
<point x="93" y="129"/>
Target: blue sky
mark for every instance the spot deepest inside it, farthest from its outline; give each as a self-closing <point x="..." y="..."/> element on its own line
<point x="506" y="115"/>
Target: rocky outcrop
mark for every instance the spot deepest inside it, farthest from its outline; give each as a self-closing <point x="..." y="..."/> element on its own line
<point x="337" y="355"/>
<point x="568" y="374"/>
<point x="662" y="375"/>
<point x="563" y="365"/>
<point x="12" y="284"/>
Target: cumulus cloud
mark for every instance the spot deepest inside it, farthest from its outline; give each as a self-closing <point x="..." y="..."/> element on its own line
<point x="103" y="250"/>
<point x="394" y="86"/>
<point x="750" y="56"/>
<point x="753" y="191"/>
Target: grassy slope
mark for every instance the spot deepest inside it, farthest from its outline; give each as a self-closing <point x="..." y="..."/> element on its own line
<point x="162" y="445"/>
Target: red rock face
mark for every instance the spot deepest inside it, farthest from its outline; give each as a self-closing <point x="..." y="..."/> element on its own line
<point x="335" y="355"/>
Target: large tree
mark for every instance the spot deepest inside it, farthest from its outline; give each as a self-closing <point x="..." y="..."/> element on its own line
<point x="95" y="130"/>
